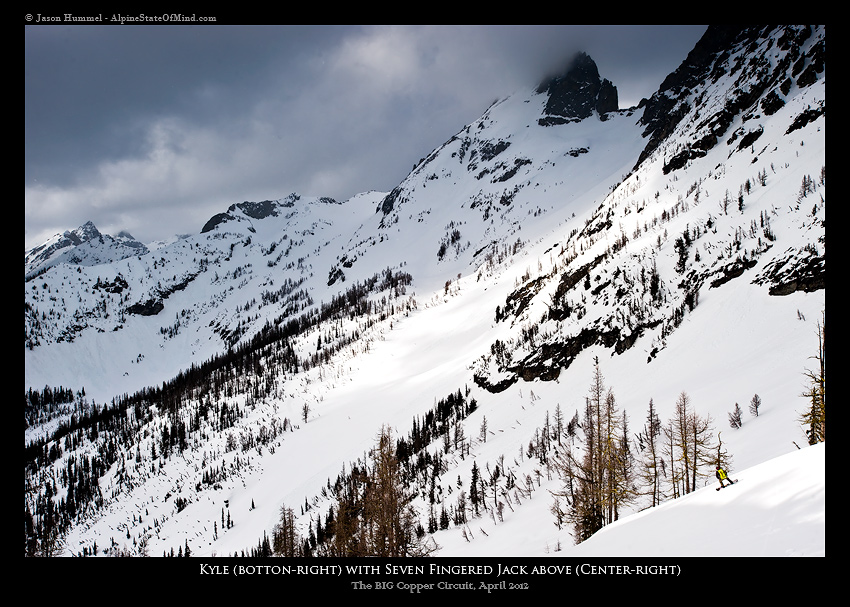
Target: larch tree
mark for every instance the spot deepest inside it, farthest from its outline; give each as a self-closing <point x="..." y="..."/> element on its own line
<point x="595" y="442"/>
<point x="814" y="419"/>
<point x="689" y="445"/>
<point x="285" y="539"/>
<point x="559" y="423"/>
<point x="613" y="452"/>
<point x="596" y="478"/>
<point x="670" y="453"/>
<point x="755" y="405"/>
<point x="625" y="488"/>
<point x="702" y="444"/>
<point x="735" y="420"/>
<point x="649" y="444"/>
<point x="391" y="525"/>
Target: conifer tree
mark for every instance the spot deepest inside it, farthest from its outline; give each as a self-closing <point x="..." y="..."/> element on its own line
<point x="342" y="525"/>
<point x="444" y="518"/>
<point x="814" y="419"/>
<point x="755" y="405"/>
<point x="674" y="477"/>
<point x="391" y="524"/>
<point x="558" y="423"/>
<point x="285" y="539"/>
<point x="688" y="445"/>
<point x="650" y="448"/>
<point x="597" y="482"/>
<point x="735" y="416"/>
<point x="474" y="497"/>
<point x="592" y="513"/>
<point x="625" y="490"/>
<point x="615" y="455"/>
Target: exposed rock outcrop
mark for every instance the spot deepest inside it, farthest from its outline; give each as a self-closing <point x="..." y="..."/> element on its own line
<point x="578" y="93"/>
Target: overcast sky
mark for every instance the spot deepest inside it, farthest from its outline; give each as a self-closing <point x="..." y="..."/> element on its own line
<point x="154" y="129"/>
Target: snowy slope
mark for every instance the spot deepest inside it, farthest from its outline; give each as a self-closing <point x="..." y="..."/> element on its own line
<point x="778" y="509"/>
<point x="412" y="365"/>
<point x="489" y="226"/>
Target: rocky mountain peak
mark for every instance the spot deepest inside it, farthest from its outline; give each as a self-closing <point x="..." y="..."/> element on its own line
<point x="767" y="62"/>
<point x="253" y="210"/>
<point x="577" y="93"/>
<point x="42" y="254"/>
<point x="85" y="245"/>
<point x="87" y="231"/>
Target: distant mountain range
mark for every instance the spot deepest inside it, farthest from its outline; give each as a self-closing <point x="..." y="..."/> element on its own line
<point x="85" y="246"/>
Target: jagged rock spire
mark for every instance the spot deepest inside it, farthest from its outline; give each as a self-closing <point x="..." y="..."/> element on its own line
<point x="577" y="93"/>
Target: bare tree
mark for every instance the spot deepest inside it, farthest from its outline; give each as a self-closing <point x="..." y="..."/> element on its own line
<point x="597" y="482"/>
<point x="285" y="539"/>
<point x="735" y="416"/>
<point x="649" y="444"/>
<point x="755" y="405"/>
<point x="814" y="419"/>
<point x="391" y="525"/>
<point x="689" y="445"/>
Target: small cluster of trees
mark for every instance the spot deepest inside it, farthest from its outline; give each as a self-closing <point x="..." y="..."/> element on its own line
<point x="374" y="500"/>
<point x="813" y="419"/>
<point x="603" y="474"/>
<point x="443" y="421"/>
<point x="42" y="406"/>
<point x="597" y="476"/>
<point x="451" y="239"/>
<point x="373" y="514"/>
<point x="736" y="415"/>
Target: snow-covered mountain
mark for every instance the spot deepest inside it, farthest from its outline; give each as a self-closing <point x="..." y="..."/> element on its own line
<point x="85" y="246"/>
<point x="210" y="381"/>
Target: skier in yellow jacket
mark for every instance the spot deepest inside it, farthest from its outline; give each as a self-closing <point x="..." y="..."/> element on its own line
<point x="722" y="476"/>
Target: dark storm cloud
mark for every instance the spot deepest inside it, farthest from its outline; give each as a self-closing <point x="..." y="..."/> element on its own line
<point x="154" y="129"/>
<point x="87" y="88"/>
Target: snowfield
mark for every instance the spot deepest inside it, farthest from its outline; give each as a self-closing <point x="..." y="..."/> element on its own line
<point x="776" y="509"/>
